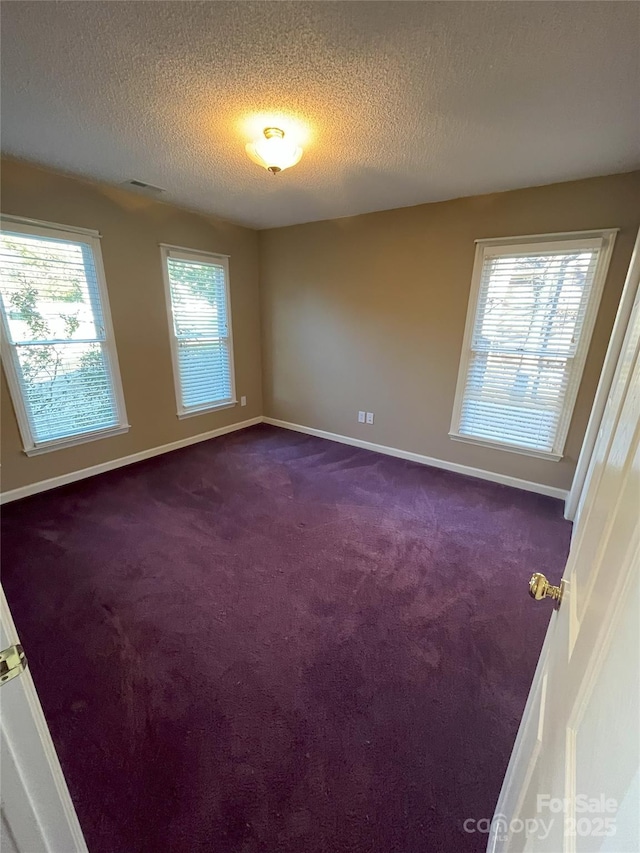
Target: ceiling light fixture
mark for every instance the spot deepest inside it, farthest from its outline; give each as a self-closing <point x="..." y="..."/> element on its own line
<point x="274" y="152"/>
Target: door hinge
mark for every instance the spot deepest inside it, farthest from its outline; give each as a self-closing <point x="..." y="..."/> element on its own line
<point x="13" y="661"/>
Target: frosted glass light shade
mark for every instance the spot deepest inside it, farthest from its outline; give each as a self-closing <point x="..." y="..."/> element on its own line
<point x="273" y="152"/>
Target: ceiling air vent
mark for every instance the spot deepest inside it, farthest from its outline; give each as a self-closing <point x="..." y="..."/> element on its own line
<point x="143" y="187"/>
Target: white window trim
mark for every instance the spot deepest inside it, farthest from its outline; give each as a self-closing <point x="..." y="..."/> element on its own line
<point x="169" y="251"/>
<point x="31" y="447"/>
<point x="604" y="239"/>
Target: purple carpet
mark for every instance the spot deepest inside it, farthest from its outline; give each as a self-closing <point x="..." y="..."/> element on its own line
<point x="271" y="643"/>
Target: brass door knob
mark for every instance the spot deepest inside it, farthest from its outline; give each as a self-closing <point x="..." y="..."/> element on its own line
<point x="539" y="588"/>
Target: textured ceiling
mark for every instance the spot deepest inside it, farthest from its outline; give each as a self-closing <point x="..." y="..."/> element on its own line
<point x="399" y="103"/>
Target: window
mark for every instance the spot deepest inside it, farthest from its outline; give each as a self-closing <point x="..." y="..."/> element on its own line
<point x="197" y="290"/>
<point x="531" y="313"/>
<point x="58" y="347"/>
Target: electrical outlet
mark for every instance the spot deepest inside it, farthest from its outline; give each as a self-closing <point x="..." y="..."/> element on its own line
<point x="243" y="401"/>
<point x="361" y="417"/>
<point x="369" y="417"/>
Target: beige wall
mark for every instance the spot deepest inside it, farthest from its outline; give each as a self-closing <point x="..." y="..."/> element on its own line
<point x="131" y="227"/>
<point x="359" y="313"/>
<point x="369" y="313"/>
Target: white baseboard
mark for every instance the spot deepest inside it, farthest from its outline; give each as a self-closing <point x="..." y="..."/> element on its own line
<point x="54" y="482"/>
<point x="503" y="479"/>
<point x="480" y="473"/>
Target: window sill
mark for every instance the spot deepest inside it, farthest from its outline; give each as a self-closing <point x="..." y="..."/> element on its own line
<point x="496" y="445"/>
<point x="62" y="444"/>
<point x="192" y="413"/>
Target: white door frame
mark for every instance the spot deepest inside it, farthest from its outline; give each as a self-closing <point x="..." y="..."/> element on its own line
<point x="631" y="286"/>
<point x="38" y="815"/>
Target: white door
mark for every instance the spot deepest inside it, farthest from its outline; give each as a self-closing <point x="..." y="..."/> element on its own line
<point x="573" y="780"/>
<point x="36" y="814"/>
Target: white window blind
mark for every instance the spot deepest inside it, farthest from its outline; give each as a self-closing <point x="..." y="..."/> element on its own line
<point x="530" y="320"/>
<point x="200" y="325"/>
<point x="58" y="346"/>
